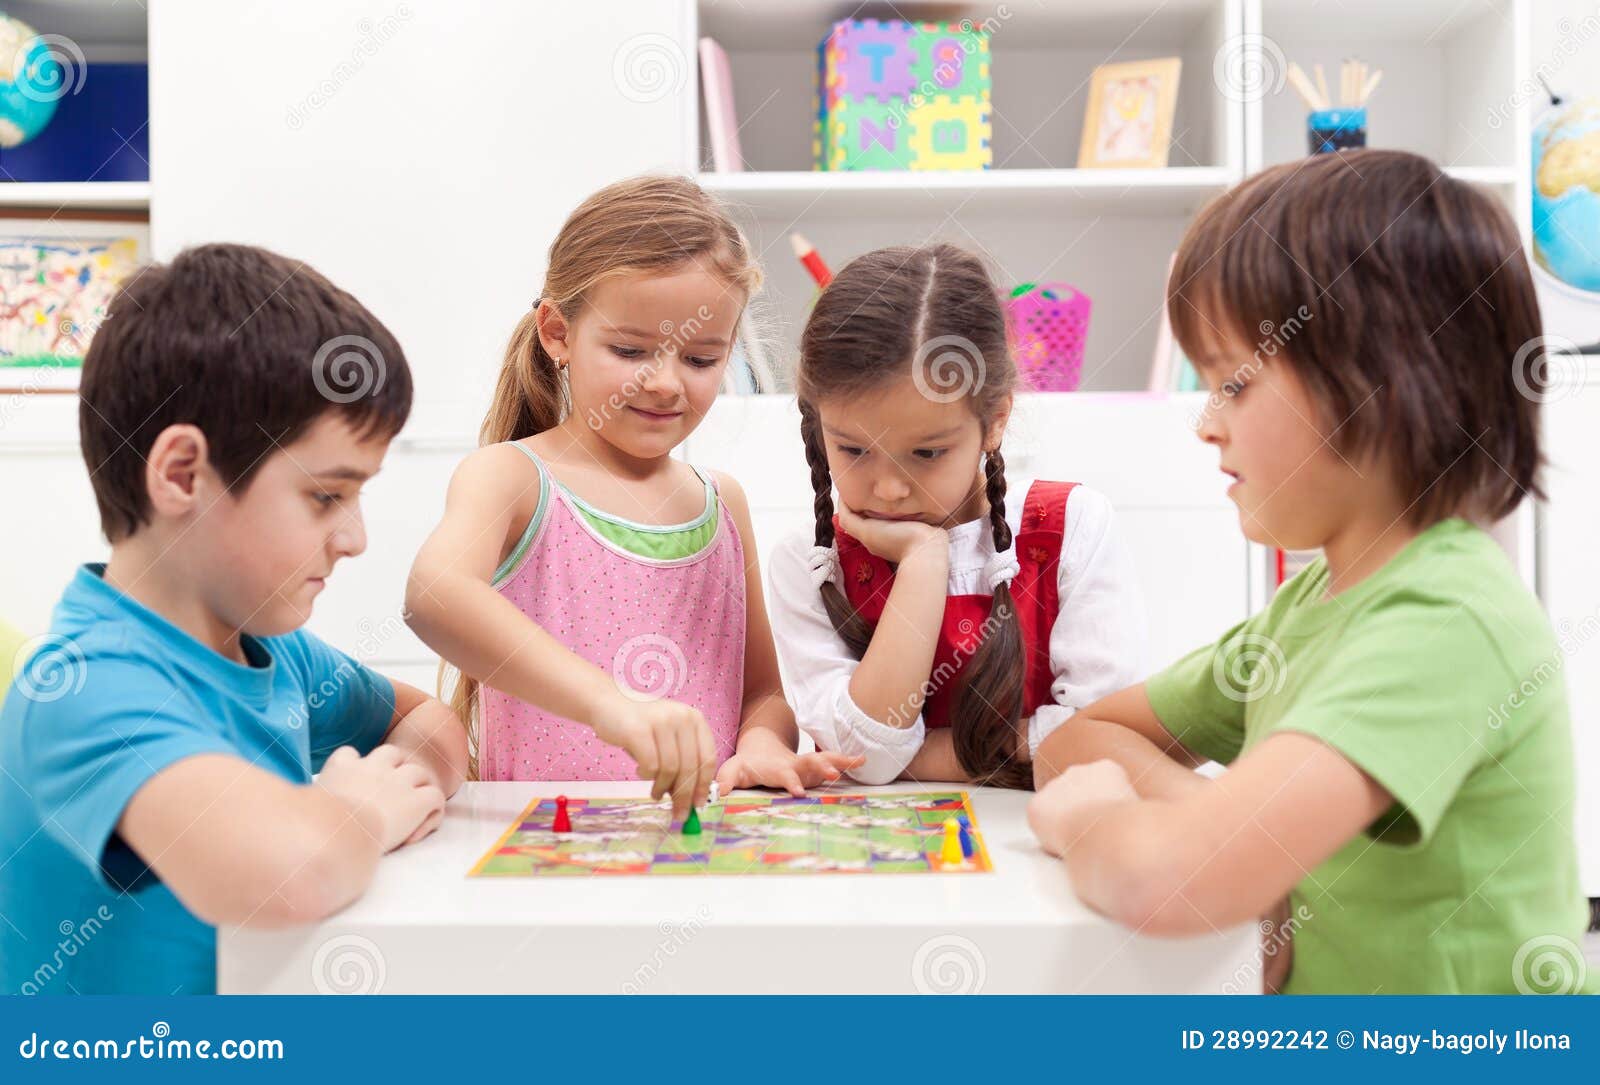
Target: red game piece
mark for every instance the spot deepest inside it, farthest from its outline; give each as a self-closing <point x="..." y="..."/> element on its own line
<point x="563" y="823"/>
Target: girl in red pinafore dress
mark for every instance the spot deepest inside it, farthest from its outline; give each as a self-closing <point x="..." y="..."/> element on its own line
<point x="928" y="625"/>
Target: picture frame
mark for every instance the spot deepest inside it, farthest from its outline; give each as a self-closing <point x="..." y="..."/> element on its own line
<point x="1127" y="123"/>
<point x="56" y="278"/>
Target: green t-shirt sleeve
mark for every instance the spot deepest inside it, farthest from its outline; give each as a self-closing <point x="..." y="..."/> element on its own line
<point x="1192" y="699"/>
<point x="1408" y="697"/>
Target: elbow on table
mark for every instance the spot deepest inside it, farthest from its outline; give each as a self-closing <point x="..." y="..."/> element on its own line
<point x="1148" y="888"/>
<point x="322" y="886"/>
<point x="304" y="877"/>
<point x="874" y="772"/>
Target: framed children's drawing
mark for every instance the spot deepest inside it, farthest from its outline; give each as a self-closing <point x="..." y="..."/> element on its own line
<point x="56" y="281"/>
<point x="1128" y="123"/>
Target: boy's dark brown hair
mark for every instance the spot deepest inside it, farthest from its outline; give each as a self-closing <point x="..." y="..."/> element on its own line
<point x="249" y="346"/>
<point x="876" y="322"/>
<point x="1401" y="299"/>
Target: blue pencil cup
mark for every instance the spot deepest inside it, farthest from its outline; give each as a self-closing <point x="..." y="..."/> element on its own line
<point x="1336" y="129"/>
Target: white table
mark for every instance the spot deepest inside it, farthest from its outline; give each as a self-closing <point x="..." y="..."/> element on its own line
<point x="425" y="927"/>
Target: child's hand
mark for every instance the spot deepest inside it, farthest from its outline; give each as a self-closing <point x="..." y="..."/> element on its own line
<point x="763" y="761"/>
<point x="400" y="801"/>
<point x="672" y="746"/>
<point x="1055" y="813"/>
<point x="893" y="540"/>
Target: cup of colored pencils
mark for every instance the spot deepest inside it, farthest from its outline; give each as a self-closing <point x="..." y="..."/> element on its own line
<point x="1335" y="126"/>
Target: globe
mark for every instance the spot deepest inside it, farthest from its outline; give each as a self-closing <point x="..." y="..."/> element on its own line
<point x="1566" y="194"/>
<point x="31" y="80"/>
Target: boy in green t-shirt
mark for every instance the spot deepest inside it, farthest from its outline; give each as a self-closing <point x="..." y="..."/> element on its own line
<point x="1399" y="790"/>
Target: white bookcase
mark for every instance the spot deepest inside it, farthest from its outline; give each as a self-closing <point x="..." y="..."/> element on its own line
<point x="1454" y="89"/>
<point x="1034" y="215"/>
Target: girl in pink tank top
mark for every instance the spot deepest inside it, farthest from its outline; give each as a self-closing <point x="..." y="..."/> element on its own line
<point x="669" y="624"/>
<point x="600" y="599"/>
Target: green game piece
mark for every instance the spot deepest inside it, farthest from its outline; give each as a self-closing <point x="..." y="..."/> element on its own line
<point x="691" y="824"/>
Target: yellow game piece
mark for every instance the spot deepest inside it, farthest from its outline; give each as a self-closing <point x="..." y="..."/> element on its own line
<point x="950" y="854"/>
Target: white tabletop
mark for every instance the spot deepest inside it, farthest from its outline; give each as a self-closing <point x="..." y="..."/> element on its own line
<point x="425" y="927"/>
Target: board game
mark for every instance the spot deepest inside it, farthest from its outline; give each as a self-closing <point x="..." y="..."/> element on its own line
<point x="764" y="834"/>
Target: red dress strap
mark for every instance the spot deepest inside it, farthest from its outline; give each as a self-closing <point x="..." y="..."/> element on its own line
<point x="868" y="580"/>
<point x="1035" y="587"/>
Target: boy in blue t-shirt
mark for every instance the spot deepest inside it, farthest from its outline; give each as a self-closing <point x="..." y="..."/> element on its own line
<point x="157" y="750"/>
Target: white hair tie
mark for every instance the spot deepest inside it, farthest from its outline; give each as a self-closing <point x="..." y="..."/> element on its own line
<point x="824" y="561"/>
<point x="1000" y="569"/>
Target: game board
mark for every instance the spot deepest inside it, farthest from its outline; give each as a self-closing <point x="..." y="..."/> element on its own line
<point x="765" y="834"/>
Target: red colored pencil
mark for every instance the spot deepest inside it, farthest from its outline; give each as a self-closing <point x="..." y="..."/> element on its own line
<point x="808" y="256"/>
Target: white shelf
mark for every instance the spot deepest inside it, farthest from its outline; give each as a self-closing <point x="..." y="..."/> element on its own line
<point x="1060" y="193"/>
<point x="1421" y="22"/>
<point x="77" y="195"/>
<point x="774" y="25"/>
<point x="1498" y="176"/>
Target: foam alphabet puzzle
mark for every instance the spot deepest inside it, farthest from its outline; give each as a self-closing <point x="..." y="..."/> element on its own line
<point x="896" y="95"/>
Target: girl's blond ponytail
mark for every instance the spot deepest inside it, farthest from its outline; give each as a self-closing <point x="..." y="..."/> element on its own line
<point x="531" y="393"/>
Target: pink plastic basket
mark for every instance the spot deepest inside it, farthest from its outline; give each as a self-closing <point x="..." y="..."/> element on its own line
<point x="1048" y="324"/>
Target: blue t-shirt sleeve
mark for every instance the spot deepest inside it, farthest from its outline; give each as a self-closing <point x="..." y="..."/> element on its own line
<point x="347" y="704"/>
<point x="86" y="753"/>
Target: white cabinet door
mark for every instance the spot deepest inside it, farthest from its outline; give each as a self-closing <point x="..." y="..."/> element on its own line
<point x="1171" y="502"/>
<point x="1569" y="532"/>
<point x="756" y="439"/>
<point x="362" y="609"/>
<point x="421" y="155"/>
<point x="60" y="531"/>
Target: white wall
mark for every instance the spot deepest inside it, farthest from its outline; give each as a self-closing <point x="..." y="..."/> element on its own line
<point x="393" y="146"/>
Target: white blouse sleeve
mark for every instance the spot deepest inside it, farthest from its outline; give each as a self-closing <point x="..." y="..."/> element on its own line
<point x="1097" y="645"/>
<point x="817" y="666"/>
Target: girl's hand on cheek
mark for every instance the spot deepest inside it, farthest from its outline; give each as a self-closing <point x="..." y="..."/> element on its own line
<point x="893" y="540"/>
